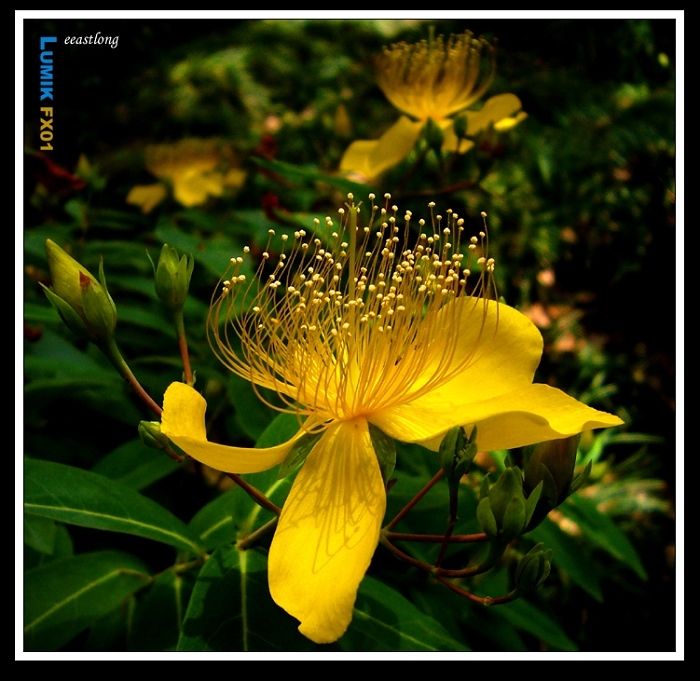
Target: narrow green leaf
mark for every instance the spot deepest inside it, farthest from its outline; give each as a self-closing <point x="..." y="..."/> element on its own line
<point x="281" y="429"/>
<point x="64" y="597"/>
<point x="602" y="531"/>
<point x="297" y="454"/>
<point x="383" y="620"/>
<point x="216" y="523"/>
<point x="62" y="546"/>
<point x="569" y="556"/>
<point x="135" y="465"/>
<point x="40" y="534"/>
<point x="304" y="175"/>
<point x="252" y="415"/>
<point x="159" y="615"/>
<point x="79" y="497"/>
<point x="231" y="609"/>
<point x="531" y="619"/>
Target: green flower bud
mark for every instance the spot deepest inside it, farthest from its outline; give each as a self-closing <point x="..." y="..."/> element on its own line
<point x="532" y="569"/>
<point x="504" y="511"/>
<point x="457" y="452"/>
<point x="82" y="301"/>
<point x="558" y="457"/>
<point x="149" y="432"/>
<point x="172" y="277"/>
<point x="552" y="465"/>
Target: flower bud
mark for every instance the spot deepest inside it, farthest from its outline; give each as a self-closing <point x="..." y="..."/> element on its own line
<point x="552" y="465"/>
<point x="172" y="278"/>
<point x="149" y="432"/>
<point x="82" y="301"/>
<point x="558" y="457"/>
<point x="457" y="452"/>
<point x="532" y="569"/>
<point x="503" y="511"/>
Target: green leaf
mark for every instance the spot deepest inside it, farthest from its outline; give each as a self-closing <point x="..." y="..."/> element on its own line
<point x="383" y="620"/>
<point x="40" y="534"/>
<point x="305" y="175"/>
<point x="602" y="531"/>
<point x="282" y="428"/>
<point x="252" y="415"/>
<point x="297" y="454"/>
<point x="79" y="497"/>
<point x="216" y="523"/>
<point x="570" y="556"/>
<point x="135" y="465"/>
<point x="531" y="619"/>
<point x="231" y="609"/>
<point x="64" y="597"/>
<point x="62" y="545"/>
<point x="212" y="253"/>
<point x="159" y="615"/>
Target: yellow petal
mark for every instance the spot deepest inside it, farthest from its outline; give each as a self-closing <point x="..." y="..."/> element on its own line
<point x="510" y="122"/>
<point x="371" y="158"/>
<point x="488" y="349"/>
<point x="147" y="197"/>
<point x="328" y="531"/>
<point x="531" y="414"/>
<point x="356" y="157"/>
<point x="488" y="383"/>
<point x="182" y="421"/>
<point x="534" y="413"/>
<point x="449" y="142"/>
<point x="495" y="109"/>
<point x="194" y="189"/>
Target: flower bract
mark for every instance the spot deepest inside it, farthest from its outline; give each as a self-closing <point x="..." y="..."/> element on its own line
<point x="367" y="321"/>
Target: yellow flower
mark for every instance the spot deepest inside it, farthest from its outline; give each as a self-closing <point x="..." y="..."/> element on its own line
<point x="433" y="80"/>
<point x="194" y="169"/>
<point x="352" y="326"/>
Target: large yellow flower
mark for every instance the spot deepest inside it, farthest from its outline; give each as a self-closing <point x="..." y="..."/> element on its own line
<point x="351" y="326"/>
<point x="433" y="80"/>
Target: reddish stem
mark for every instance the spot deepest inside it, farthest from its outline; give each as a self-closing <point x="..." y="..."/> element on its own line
<point x="415" y="500"/>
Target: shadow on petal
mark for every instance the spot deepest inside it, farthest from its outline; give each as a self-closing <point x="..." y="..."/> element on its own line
<point x="328" y="531"/>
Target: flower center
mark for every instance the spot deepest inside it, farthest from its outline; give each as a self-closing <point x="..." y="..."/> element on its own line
<point x="351" y="319"/>
<point x="435" y="79"/>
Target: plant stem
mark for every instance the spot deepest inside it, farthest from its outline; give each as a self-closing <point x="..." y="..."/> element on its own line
<point x="484" y="600"/>
<point x="248" y="541"/>
<point x="258" y="497"/>
<point x="111" y="351"/>
<point x="452" y="521"/>
<point x="415" y="500"/>
<point x="455" y="538"/>
<point x="182" y="344"/>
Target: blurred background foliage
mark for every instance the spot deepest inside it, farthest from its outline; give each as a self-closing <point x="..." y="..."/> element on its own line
<point x="581" y="204"/>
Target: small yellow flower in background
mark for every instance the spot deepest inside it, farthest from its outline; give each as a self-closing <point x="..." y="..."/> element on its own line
<point x="433" y="80"/>
<point x="194" y="169"/>
<point x="352" y="326"/>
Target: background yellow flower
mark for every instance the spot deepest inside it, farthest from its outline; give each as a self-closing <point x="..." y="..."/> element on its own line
<point x="194" y="169"/>
<point x="433" y="80"/>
